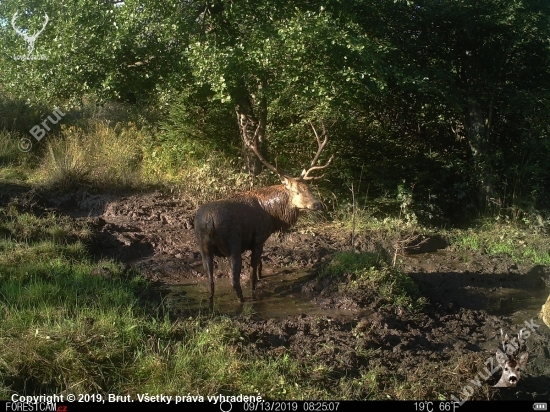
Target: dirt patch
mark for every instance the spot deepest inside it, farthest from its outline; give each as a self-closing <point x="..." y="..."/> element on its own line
<point x="431" y="354"/>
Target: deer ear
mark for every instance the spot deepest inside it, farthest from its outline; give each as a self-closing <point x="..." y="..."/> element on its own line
<point x="284" y="180"/>
<point x="501" y="358"/>
<point x="523" y="359"/>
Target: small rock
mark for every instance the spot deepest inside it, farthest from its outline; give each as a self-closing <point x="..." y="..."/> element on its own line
<point x="97" y="222"/>
<point x="188" y="224"/>
<point x="102" y="271"/>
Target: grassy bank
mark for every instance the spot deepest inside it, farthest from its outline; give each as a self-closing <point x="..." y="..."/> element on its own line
<point x="521" y="243"/>
<point x="69" y="324"/>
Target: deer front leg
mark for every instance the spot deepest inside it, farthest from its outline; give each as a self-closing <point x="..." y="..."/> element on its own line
<point x="236" y="266"/>
<point x="256" y="263"/>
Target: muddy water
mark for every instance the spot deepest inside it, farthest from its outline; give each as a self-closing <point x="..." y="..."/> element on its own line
<point x="517" y="304"/>
<point x="520" y="307"/>
<point x="278" y="295"/>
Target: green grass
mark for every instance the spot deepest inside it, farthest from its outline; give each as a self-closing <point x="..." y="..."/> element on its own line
<point x="518" y="243"/>
<point x="366" y="220"/>
<point x="360" y="270"/>
<point x="9" y="151"/>
<point x="14" y="174"/>
<point x="468" y="242"/>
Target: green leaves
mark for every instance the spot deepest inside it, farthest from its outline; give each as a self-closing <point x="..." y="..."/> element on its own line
<point x="453" y="93"/>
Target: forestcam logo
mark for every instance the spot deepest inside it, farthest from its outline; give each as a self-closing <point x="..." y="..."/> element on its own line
<point x="29" y="39"/>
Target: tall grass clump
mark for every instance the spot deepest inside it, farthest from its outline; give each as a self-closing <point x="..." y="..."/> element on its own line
<point x="20" y="115"/>
<point x="366" y="270"/>
<point x="9" y="152"/>
<point x="100" y="156"/>
<point x="505" y="239"/>
<point x="15" y="164"/>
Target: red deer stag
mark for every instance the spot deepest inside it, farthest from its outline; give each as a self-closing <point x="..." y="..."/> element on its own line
<point x="246" y="220"/>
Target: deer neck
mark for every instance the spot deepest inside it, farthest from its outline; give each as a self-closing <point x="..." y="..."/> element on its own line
<point x="275" y="200"/>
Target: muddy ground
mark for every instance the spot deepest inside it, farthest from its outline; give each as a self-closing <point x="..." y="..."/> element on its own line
<point x="471" y="296"/>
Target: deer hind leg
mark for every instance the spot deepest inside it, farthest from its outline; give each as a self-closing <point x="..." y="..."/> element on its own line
<point x="236" y="266"/>
<point x="260" y="267"/>
<point x="256" y="263"/>
<point x="208" y="264"/>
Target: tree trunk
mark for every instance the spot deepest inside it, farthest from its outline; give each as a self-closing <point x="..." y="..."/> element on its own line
<point x="249" y="125"/>
<point x="477" y="133"/>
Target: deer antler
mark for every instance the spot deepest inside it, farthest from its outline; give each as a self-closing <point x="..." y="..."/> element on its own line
<point x="253" y="145"/>
<point x="509" y="346"/>
<point x="304" y="175"/>
<point x="20" y="32"/>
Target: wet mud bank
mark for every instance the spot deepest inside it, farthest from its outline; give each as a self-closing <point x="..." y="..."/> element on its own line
<point x="471" y="297"/>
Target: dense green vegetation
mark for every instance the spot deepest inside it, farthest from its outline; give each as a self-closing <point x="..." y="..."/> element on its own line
<point x="445" y="101"/>
<point x="368" y="271"/>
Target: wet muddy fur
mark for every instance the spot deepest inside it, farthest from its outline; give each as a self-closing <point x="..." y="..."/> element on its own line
<point x="244" y="222"/>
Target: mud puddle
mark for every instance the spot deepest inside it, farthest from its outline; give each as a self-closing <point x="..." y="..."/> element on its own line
<point x="278" y="295"/>
<point x="522" y="312"/>
<point x="515" y="304"/>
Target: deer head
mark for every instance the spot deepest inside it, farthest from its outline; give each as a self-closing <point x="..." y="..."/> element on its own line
<point x="509" y="361"/>
<point x="300" y="194"/>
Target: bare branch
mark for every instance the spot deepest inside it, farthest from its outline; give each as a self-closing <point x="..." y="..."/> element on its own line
<point x="253" y="145"/>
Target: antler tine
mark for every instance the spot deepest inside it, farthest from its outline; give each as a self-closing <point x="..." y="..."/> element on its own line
<point x="254" y="147"/>
<point x="305" y="173"/>
<point x="321" y="145"/>
<point x="20" y="32"/>
<point x="46" y="22"/>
